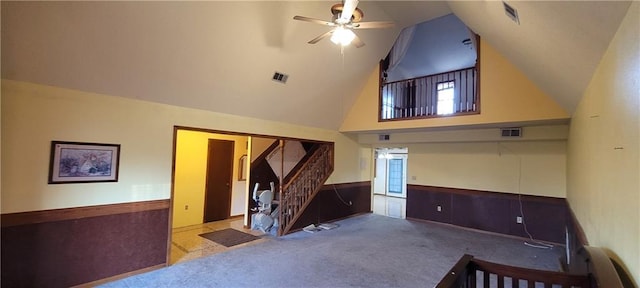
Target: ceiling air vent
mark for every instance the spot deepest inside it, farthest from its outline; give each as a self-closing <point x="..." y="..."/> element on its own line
<point x="279" y="77"/>
<point x="511" y="12"/>
<point x="383" y="137"/>
<point x="511" y="132"/>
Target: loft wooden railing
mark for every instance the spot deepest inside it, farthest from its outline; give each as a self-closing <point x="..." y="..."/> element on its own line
<point x="297" y="193"/>
<point x="471" y="273"/>
<point x="418" y="97"/>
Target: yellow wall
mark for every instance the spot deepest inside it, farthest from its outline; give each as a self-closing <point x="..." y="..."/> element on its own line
<point x="347" y="159"/>
<point x="33" y="115"/>
<point x="533" y="168"/>
<point x="506" y="95"/>
<point x="603" y="161"/>
<point x="259" y="145"/>
<point x="190" y="176"/>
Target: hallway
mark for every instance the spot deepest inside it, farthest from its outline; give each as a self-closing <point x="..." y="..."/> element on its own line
<point x="187" y="245"/>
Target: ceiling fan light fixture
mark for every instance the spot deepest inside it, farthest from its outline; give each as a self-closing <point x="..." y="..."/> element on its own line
<point x="342" y="36"/>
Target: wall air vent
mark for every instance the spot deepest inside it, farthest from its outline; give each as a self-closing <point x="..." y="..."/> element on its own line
<point x="511" y="12"/>
<point x="279" y="77"/>
<point x="511" y="132"/>
<point x="383" y="137"/>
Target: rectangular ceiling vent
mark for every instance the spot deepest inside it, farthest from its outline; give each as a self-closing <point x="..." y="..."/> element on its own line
<point x="511" y="12"/>
<point x="280" y="77"/>
<point x="511" y="132"/>
<point x="383" y="137"/>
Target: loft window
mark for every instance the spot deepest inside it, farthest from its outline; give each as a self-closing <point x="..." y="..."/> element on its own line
<point x="445" y="97"/>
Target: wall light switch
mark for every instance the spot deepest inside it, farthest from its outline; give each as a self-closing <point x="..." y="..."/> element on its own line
<point x="439" y="208"/>
<point x="519" y="219"/>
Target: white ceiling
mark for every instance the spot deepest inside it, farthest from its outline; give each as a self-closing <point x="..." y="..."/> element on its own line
<point x="220" y="56"/>
<point x="436" y="47"/>
<point x="558" y="44"/>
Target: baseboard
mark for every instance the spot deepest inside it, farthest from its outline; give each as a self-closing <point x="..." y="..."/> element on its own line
<point x="84" y="244"/>
<point x="335" y="220"/>
<point x="523" y="239"/>
<point x="545" y="217"/>
<point x="328" y="206"/>
<point x="118" y="277"/>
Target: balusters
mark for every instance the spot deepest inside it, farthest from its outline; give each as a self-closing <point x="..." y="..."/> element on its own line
<point x="418" y="97"/>
<point x="297" y="192"/>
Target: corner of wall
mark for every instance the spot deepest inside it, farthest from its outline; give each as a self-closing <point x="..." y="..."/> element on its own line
<point x="603" y="150"/>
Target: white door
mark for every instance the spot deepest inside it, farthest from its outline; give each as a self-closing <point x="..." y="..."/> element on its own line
<point x="390" y="182"/>
<point x="396" y="175"/>
<point x="390" y="178"/>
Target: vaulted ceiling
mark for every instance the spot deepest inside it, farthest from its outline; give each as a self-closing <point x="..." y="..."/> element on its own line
<point x="220" y="55"/>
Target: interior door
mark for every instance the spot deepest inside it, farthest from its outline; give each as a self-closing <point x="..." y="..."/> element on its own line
<point x="397" y="175"/>
<point x="217" y="200"/>
<point x="390" y="175"/>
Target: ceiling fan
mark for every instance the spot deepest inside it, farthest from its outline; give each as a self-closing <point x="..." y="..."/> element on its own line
<point x="346" y="17"/>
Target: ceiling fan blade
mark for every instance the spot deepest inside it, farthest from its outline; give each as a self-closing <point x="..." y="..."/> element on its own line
<point x="372" y="25"/>
<point x="357" y="42"/>
<point x="314" y="20"/>
<point x="347" y="10"/>
<point x="325" y="35"/>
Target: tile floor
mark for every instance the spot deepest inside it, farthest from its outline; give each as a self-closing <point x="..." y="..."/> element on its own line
<point x="390" y="206"/>
<point x="187" y="245"/>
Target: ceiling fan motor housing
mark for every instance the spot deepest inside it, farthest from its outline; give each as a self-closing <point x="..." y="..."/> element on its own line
<point x="336" y="10"/>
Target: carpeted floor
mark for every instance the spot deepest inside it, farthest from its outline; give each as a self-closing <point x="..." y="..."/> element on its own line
<point x="365" y="251"/>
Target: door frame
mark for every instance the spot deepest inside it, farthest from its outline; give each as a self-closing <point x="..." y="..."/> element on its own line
<point x="177" y="128"/>
<point x="381" y="159"/>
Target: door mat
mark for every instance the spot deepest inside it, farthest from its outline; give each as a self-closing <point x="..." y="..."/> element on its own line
<point x="229" y="237"/>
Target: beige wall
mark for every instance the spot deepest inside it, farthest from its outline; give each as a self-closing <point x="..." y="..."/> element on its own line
<point x="351" y="160"/>
<point x="506" y="96"/>
<point x="480" y="159"/>
<point x="532" y="168"/>
<point x="259" y="145"/>
<point x="190" y="176"/>
<point x="603" y="161"/>
<point x="33" y="115"/>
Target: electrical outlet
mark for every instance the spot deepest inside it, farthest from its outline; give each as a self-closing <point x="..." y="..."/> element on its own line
<point x="519" y="219"/>
<point x="414" y="177"/>
<point x="186" y="207"/>
<point x="439" y="208"/>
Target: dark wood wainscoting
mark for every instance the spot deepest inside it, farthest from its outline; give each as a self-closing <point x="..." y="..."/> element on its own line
<point x="68" y="247"/>
<point x="545" y="217"/>
<point x="327" y="206"/>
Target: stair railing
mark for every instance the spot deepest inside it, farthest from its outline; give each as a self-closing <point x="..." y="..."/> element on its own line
<point x="297" y="193"/>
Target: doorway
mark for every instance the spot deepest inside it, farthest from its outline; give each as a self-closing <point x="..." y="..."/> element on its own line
<point x="390" y="182"/>
<point x="218" y="187"/>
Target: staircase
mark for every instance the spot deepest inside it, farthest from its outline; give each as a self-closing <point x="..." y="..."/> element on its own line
<point x="299" y="189"/>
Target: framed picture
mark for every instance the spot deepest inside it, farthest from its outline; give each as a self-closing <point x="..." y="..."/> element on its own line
<point x="77" y="162"/>
<point x="242" y="168"/>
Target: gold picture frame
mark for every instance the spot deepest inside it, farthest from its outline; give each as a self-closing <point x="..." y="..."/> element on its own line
<point x="242" y="168"/>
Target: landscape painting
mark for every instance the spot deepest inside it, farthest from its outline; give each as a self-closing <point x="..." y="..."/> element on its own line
<point x="77" y="162"/>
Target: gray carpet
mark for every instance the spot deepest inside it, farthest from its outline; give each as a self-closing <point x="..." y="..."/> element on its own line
<point x="365" y="251"/>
